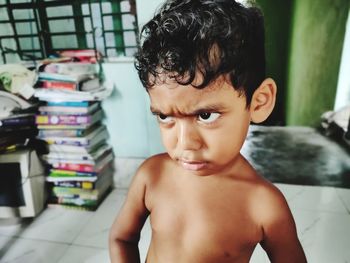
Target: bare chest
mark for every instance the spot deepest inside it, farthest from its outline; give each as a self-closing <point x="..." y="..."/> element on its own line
<point x="213" y="226"/>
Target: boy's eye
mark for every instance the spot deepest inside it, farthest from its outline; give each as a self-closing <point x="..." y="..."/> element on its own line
<point x="164" y="118"/>
<point x="208" y="117"/>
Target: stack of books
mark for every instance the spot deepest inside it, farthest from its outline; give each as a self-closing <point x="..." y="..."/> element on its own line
<point x="80" y="159"/>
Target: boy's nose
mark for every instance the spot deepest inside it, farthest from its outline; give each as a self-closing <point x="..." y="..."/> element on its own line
<point x="188" y="137"/>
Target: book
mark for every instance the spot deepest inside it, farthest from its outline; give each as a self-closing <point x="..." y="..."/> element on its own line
<point x="73" y="203"/>
<point x="82" y="55"/>
<point x="57" y="84"/>
<point x="56" y="174"/>
<point x="89" y="194"/>
<point x="104" y="91"/>
<point x="74" y="175"/>
<point x="86" y="149"/>
<point x="76" y="203"/>
<point x="45" y="76"/>
<point x="87" y="84"/>
<point x="64" y="127"/>
<point x="70" y="103"/>
<point x="74" y="184"/>
<point x="66" y="110"/>
<point x="66" y="132"/>
<point x="93" y="137"/>
<point x="52" y="119"/>
<point x="89" y="183"/>
<point x="71" y="68"/>
<point x="88" y="168"/>
<point x="53" y="158"/>
<point x="89" y="158"/>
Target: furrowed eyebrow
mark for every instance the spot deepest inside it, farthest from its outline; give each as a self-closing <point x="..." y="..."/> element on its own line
<point x="207" y="108"/>
<point x="154" y="111"/>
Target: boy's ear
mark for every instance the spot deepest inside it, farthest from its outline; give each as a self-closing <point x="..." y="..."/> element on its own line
<point x="263" y="101"/>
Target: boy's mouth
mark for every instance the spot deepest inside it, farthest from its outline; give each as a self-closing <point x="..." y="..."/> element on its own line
<point x="192" y="165"/>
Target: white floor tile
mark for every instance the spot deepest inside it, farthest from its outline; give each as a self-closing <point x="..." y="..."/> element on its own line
<point x="13" y="227"/>
<point x="78" y="254"/>
<point x="318" y="198"/>
<point x="259" y="256"/>
<point x="18" y="250"/>
<point x="289" y="191"/>
<point x="325" y="237"/>
<point x="95" y="232"/>
<point x="57" y="224"/>
<point x="344" y="195"/>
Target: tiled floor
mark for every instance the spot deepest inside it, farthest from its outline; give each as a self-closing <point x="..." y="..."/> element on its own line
<point x="322" y="216"/>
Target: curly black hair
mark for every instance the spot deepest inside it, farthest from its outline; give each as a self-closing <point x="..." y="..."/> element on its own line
<point x="210" y="37"/>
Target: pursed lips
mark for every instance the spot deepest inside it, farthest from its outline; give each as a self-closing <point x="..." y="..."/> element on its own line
<point x="192" y="165"/>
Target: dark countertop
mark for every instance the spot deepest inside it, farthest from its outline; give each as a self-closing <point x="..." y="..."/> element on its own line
<point x="297" y="155"/>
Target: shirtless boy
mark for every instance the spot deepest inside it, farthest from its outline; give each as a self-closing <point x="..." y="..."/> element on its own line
<point x="203" y="65"/>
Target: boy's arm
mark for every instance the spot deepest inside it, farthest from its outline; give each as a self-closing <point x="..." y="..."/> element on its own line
<point x="125" y="232"/>
<point x="280" y="239"/>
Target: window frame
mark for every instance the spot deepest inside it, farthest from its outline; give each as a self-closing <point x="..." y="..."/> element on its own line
<point x="44" y="35"/>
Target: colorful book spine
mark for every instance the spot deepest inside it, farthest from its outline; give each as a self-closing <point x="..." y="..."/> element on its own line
<point x="58" y="85"/>
<point x="75" y="142"/>
<point x="64" y="110"/>
<point x="61" y="133"/>
<point x="73" y="203"/>
<point x="69" y="103"/>
<point x="43" y="76"/>
<point x="76" y="184"/>
<point x="71" y="68"/>
<point x="76" y="192"/>
<point x="87" y="168"/>
<point x="63" y="127"/>
<point x="98" y="135"/>
<point x="63" y="119"/>
<point x="67" y="173"/>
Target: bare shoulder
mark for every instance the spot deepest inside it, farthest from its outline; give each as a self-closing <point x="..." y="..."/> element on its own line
<point x="269" y="203"/>
<point x="151" y="173"/>
<point x="272" y="213"/>
<point x="153" y="167"/>
<point x="154" y="162"/>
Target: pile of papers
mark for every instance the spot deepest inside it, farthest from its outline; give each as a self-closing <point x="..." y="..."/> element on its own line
<point x="17" y="110"/>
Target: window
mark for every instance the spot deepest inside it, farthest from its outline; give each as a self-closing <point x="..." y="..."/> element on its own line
<point x="36" y="29"/>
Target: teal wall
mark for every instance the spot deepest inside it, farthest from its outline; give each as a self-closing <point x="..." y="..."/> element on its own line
<point x="318" y="29"/>
<point x="132" y="128"/>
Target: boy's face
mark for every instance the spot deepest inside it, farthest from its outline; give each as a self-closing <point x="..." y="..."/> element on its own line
<point x="202" y="129"/>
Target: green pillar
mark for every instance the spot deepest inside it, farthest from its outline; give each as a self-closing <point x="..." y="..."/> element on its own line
<point x="277" y="16"/>
<point x="318" y="29"/>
